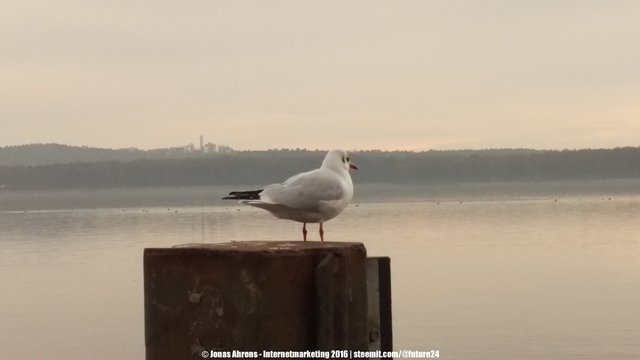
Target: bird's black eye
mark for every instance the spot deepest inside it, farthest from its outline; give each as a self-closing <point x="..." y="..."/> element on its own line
<point x="348" y="160"/>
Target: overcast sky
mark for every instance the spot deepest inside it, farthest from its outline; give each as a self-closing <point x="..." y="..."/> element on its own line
<point x="321" y="74"/>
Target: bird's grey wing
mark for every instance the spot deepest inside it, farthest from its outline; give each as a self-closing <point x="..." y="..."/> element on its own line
<point x="305" y="191"/>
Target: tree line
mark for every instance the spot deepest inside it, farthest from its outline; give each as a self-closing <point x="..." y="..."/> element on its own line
<point x="47" y="154"/>
<point x="247" y="168"/>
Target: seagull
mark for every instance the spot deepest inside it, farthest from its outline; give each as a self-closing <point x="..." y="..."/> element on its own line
<point x="314" y="196"/>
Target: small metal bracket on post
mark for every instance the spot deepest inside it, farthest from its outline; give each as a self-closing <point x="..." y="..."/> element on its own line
<point x="379" y="304"/>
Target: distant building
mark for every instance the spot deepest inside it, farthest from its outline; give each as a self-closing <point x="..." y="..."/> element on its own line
<point x="210" y="148"/>
<point x="190" y="148"/>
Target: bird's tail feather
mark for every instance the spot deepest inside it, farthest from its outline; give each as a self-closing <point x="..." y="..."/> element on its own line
<point x="244" y="195"/>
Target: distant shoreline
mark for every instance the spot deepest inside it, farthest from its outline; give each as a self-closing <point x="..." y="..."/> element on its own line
<point x="246" y="168"/>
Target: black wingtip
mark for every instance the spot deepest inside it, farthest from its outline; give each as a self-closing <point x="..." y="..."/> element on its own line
<point x="243" y="195"/>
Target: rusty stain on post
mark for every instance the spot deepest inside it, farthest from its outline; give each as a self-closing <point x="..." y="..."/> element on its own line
<point x="254" y="296"/>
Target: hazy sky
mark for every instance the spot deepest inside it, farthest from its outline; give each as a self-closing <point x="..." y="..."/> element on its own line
<point x="321" y="74"/>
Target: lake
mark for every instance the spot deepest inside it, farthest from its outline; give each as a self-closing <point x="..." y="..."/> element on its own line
<point x="479" y="271"/>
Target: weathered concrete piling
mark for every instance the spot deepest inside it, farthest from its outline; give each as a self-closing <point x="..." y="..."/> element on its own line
<point x="255" y="296"/>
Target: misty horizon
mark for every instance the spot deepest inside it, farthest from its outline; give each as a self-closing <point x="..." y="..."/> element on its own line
<point x="196" y="148"/>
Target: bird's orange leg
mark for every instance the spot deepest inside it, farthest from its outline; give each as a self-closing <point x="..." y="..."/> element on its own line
<point x="321" y="233"/>
<point x="304" y="231"/>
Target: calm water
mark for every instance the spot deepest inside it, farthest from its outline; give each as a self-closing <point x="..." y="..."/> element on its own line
<point x="479" y="272"/>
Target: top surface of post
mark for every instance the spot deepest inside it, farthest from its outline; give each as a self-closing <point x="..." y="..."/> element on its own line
<point x="263" y="247"/>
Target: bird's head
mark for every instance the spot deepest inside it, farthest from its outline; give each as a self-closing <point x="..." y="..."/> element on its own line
<point x="338" y="160"/>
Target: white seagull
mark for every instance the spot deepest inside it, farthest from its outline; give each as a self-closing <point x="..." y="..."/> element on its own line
<point x="315" y="196"/>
